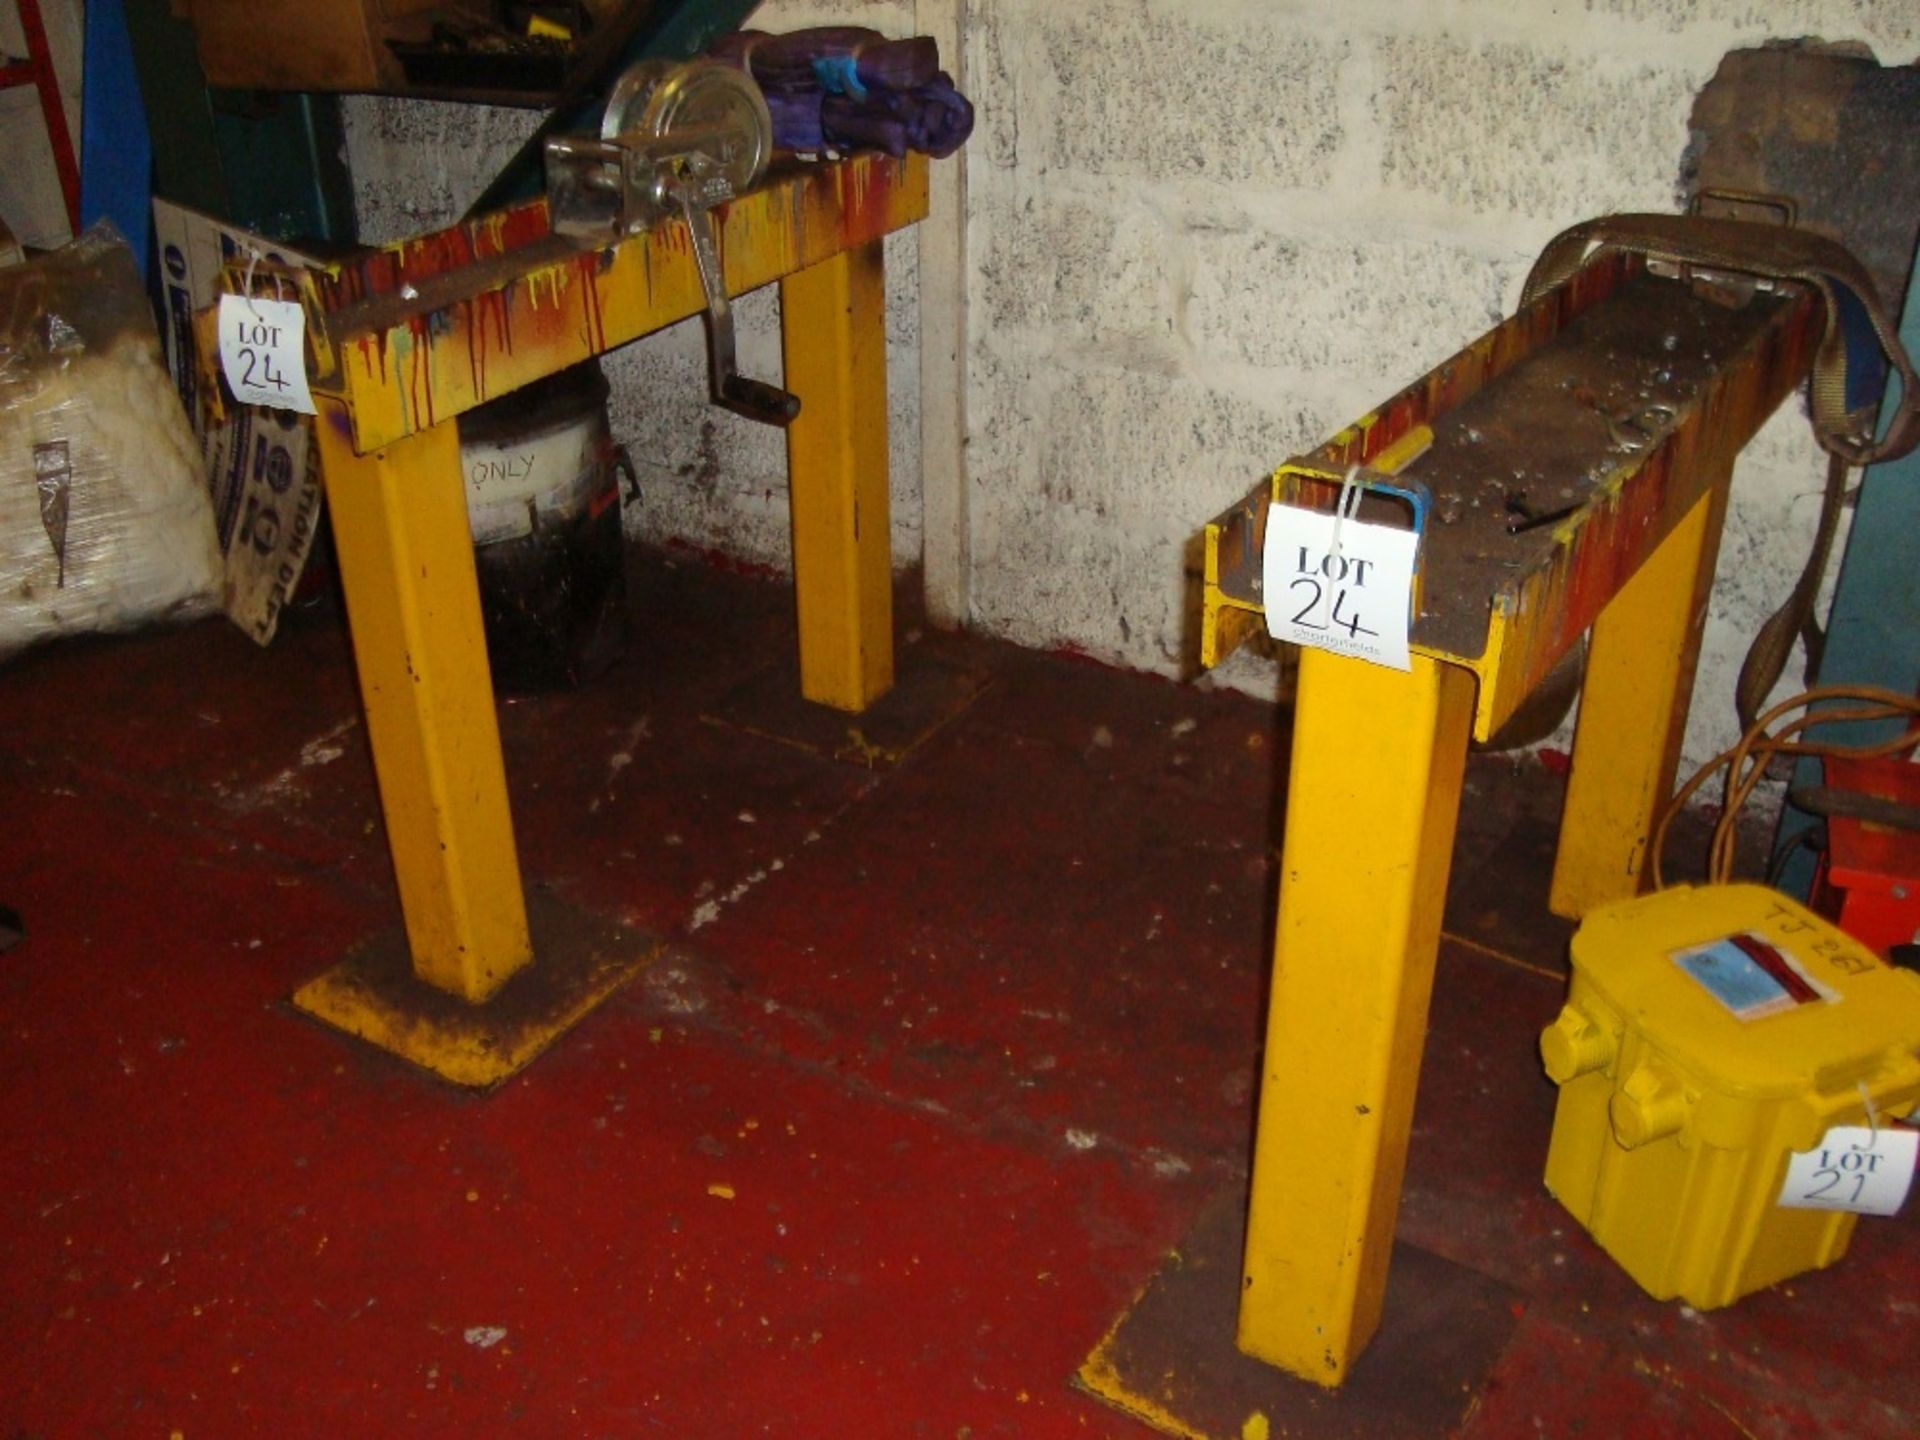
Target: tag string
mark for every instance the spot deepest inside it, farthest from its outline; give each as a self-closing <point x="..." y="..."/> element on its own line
<point x="246" y="284"/>
<point x="1345" y="507"/>
<point x="1873" y="1116"/>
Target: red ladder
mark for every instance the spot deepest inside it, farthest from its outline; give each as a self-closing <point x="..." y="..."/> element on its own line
<point x="37" y="70"/>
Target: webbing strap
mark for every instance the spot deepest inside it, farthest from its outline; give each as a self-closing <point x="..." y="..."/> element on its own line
<point x="1775" y="252"/>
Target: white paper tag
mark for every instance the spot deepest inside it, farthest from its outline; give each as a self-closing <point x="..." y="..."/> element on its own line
<point x="1355" y="603"/>
<point x="264" y="353"/>
<point x="1853" y="1168"/>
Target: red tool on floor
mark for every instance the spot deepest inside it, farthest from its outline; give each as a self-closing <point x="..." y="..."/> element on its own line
<point x="1869" y="878"/>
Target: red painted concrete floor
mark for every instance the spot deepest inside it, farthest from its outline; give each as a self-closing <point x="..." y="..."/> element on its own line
<point x="941" y="1061"/>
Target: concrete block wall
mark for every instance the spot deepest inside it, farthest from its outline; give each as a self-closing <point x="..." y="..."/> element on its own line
<point x="1204" y="234"/>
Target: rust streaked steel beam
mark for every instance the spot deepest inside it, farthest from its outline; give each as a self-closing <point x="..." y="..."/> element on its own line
<point x="430" y="328"/>
<point x="1621" y="394"/>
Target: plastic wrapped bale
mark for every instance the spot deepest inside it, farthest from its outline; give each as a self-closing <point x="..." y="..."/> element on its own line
<point x="104" y="518"/>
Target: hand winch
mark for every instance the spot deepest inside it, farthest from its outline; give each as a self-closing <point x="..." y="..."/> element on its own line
<point x="676" y="139"/>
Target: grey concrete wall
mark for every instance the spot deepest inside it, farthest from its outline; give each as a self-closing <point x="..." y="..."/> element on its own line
<point x="1203" y="235"/>
<point x="1206" y="235"/>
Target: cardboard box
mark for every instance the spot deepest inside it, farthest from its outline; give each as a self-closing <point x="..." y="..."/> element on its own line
<point x="262" y="466"/>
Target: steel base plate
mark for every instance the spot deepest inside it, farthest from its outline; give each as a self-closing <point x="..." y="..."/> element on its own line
<point x="929" y="689"/>
<point x="1171" y="1360"/>
<point x="579" y="960"/>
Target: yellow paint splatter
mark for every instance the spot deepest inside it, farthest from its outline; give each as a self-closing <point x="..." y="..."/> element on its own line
<point x="723" y="1192"/>
<point x="1255" y="1427"/>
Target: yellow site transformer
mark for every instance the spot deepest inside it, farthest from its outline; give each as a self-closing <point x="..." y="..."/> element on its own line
<point x="1709" y="1034"/>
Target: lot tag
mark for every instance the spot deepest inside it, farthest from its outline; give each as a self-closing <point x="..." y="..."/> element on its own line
<point x="1853" y="1168"/>
<point x="263" y="351"/>
<point x="1348" y="592"/>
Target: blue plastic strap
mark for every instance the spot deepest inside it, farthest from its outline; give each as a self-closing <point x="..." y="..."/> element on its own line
<point x="839" y="75"/>
<point x="1867" y="367"/>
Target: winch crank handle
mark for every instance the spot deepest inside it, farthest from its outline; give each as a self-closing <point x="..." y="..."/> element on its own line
<point x="753" y="399"/>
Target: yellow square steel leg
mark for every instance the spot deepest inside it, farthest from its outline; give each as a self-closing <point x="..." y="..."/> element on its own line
<point x="1633" y="714"/>
<point x="413" y="600"/>
<point x="833" y="326"/>
<point x="1372" y="800"/>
